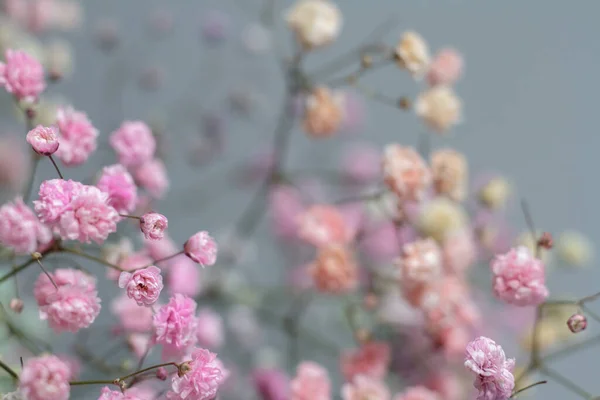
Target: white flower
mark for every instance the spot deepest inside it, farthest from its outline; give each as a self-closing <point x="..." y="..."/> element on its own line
<point x="316" y="23"/>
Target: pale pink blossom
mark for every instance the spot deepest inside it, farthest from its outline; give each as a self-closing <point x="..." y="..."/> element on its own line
<point x="153" y="225"/>
<point x="519" y="277"/>
<point x="22" y="75"/>
<point x="14" y="163"/>
<point x="132" y="318"/>
<point x="364" y="387"/>
<point x="418" y="393"/>
<point x="143" y="286"/>
<point x="44" y="289"/>
<point x="70" y="309"/>
<point x="201" y="248"/>
<point x="486" y="358"/>
<point x="371" y="359"/>
<point x="43" y="140"/>
<point x="361" y="163"/>
<point x="271" y="384"/>
<point x="134" y="393"/>
<point x="459" y="251"/>
<point x="139" y="344"/>
<point x="152" y="177"/>
<point x="202" y="381"/>
<point x="446" y="68"/>
<point x="134" y="143"/>
<point x="16" y="305"/>
<point x="323" y="114"/>
<point x="315" y="23"/>
<point x="323" y="225"/>
<point x="439" y="108"/>
<point x="20" y="229"/>
<point x="175" y="325"/>
<point x="184" y="277"/>
<point x="448" y="384"/>
<point x="383" y="241"/>
<point x="118" y="183"/>
<point x="311" y="382"/>
<point x="77" y="136"/>
<point x="412" y="54"/>
<point x="45" y="378"/>
<point x="285" y="207"/>
<point x="334" y="270"/>
<point x="210" y="331"/>
<point x="450" y="172"/>
<point x="405" y="172"/>
<point x="420" y="263"/>
<point x="76" y="211"/>
<point x="499" y="387"/>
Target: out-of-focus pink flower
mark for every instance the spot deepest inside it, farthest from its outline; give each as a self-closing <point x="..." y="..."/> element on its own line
<point x="285" y="206"/>
<point x="73" y="363"/>
<point x="134" y="143"/>
<point x="450" y="173"/>
<point x="382" y="242"/>
<point x="323" y="225"/>
<point x="16" y="305"/>
<point x="118" y="183"/>
<point x="361" y="163"/>
<point x="447" y="384"/>
<point x="132" y="318"/>
<point x="184" y="277"/>
<point x="201" y="248"/>
<point x="519" y="278"/>
<point x="405" y="172"/>
<point x="14" y="164"/>
<point x="70" y="308"/>
<point x="76" y="211"/>
<point x="271" y="384"/>
<point x="202" y="381"/>
<point x="439" y="108"/>
<point x="163" y="248"/>
<point x="299" y="278"/>
<point x="412" y="54"/>
<point x="364" y="387"/>
<point x="43" y="140"/>
<point x="459" y="251"/>
<point x="334" y="270"/>
<point x="353" y="110"/>
<point x="420" y="263"/>
<point x="323" y="113"/>
<point x="139" y="343"/>
<point x="210" y="330"/>
<point x="371" y="360"/>
<point x="175" y="325"/>
<point x="311" y="382"/>
<point x="77" y="137"/>
<point x="446" y="68"/>
<point x="152" y="176"/>
<point x="418" y="393"/>
<point x="20" y="230"/>
<point x="143" y="286"/>
<point x="45" y="378"/>
<point x="153" y="225"/>
<point x="107" y="394"/>
<point x="44" y="289"/>
<point x="22" y="75"/>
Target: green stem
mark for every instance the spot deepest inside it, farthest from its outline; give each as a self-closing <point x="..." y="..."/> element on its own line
<point x="8" y="369"/>
<point x="98" y="382"/>
<point x="89" y="257"/>
<point x="527" y="388"/>
<point x="17" y="269"/>
<point x="148" y="369"/>
<point x="161" y="260"/>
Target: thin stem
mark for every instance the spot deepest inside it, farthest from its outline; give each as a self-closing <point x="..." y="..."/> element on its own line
<point x="89" y="257"/>
<point x="148" y="369"/>
<point x="8" y="369"/>
<point x="56" y="167"/>
<point x="17" y="269"/>
<point x="35" y="160"/>
<point x="98" y="382"/>
<point x="589" y="298"/>
<point x="163" y="259"/>
<point x="46" y="272"/>
<point x="527" y="388"/>
<point x="130" y="216"/>
<point x="568" y="384"/>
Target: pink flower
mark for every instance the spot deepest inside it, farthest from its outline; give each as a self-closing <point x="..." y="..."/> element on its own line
<point x="371" y="360"/>
<point x="201" y="248"/>
<point x="577" y="323"/>
<point x="271" y="384"/>
<point x="133" y="142"/>
<point x="153" y="225"/>
<point x="77" y="136"/>
<point x="210" y="332"/>
<point x="43" y="140"/>
<point x="121" y="189"/>
<point x="139" y="343"/>
<point x="22" y="75"/>
<point x="499" y="387"/>
<point x="43" y="289"/>
<point x="143" y="286"/>
<point x="446" y="68"/>
<point x="405" y="172"/>
<point x="70" y="309"/>
<point x="152" y="176"/>
<point x="175" y="325"/>
<point x="45" y="378"/>
<point x="420" y="262"/>
<point x="184" y="277"/>
<point x="14" y="164"/>
<point x="130" y="394"/>
<point x="76" y="211"/>
<point x="417" y="393"/>
<point x="361" y="163"/>
<point x="486" y="358"/>
<point x="20" y="230"/>
<point x="459" y="251"/>
<point x="519" y="278"/>
<point x="364" y="387"/>
<point x="202" y="381"/>
<point x="334" y="270"/>
<point x="323" y="225"/>
<point x="285" y="206"/>
<point x="311" y="382"/>
<point x="132" y="317"/>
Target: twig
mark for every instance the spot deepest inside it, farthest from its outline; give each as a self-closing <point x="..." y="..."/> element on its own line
<point x="527" y="388"/>
<point x="8" y="369"/>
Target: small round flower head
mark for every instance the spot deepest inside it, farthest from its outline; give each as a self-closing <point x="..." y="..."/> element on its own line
<point x="364" y="387"/>
<point x="486" y="358"/>
<point x="184" y="276"/>
<point x="45" y="378"/>
<point x="20" y="229"/>
<point x="323" y="113"/>
<point x="412" y="54"/>
<point x="417" y="393"/>
<point x="22" y="75"/>
<point x="519" y="278"/>
<point x="439" y="108"/>
<point x="334" y="270"/>
<point x="577" y="323"/>
<point x="420" y="262"/>
<point x="495" y="193"/>
<point x="132" y="318"/>
<point x="77" y="136"/>
<point x="450" y="173"/>
<point x="203" y="379"/>
<point x="575" y="249"/>
<point x="16" y="305"/>
<point x="210" y="330"/>
<point x="446" y="68"/>
<point x="315" y="23"/>
<point x="459" y="251"/>
<point x="175" y="325"/>
<point x="372" y="360"/>
<point x="152" y="177"/>
<point x="361" y="163"/>
<point x="118" y="183"/>
<point x="285" y="207"/>
<point x="143" y="286"/>
<point x="311" y="382"/>
<point x="43" y="140"/>
<point x="153" y="225"/>
<point x="440" y="218"/>
<point x="201" y="248"/>
<point x="322" y="225"/>
<point x="271" y="384"/>
<point x="405" y="172"/>
<point x="134" y="143"/>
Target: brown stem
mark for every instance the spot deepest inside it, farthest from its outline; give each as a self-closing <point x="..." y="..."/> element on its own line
<point x="8" y="369"/>
<point x="527" y="388"/>
<point x="56" y="167"/>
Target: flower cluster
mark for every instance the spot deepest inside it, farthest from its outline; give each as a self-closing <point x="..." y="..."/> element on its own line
<point x="493" y="371"/>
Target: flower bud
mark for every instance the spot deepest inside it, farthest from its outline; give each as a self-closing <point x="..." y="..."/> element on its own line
<point x="16" y="305"/>
<point x="577" y="323"/>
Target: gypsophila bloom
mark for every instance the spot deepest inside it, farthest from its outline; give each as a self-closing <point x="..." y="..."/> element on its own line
<point x="201" y="248"/>
<point x="20" y="229"/>
<point x="519" y="277"/>
<point x="132" y="318"/>
<point x="143" y="286"/>
<point x="486" y="358"/>
<point x="316" y="23"/>
<point x="577" y="323"/>
<point x="405" y="172"/>
<point x="439" y="108"/>
<point x="22" y="75"/>
<point x="412" y="54"/>
<point x="446" y="68"/>
<point x="371" y="359"/>
<point x="334" y="270"/>
<point x="45" y="378"/>
<point x="44" y="289"/>
<point x="420" y="262"/>
<point x="272" y="384"/>
<point x="133" y="142"/>
<point x="311" y="382"/>
<point x="76" y="211"/>
<point x="202" y="381"/>
<point x="184" y="276"/>
<point x="118" y="183"/>
<point x="450" y="173"/>
<point x="323" y="114"/>
<point x="418" y="393"/>
<point x="77" y="136"/>
<point x="175" y="325"/>
<point x="153" y="225"/>
<point x="152" y="177"/>
<point x="364" y="387"/>
<point x="322" y="225"/>
<point x="210" y="331"/>
<point x="43" y="140"/>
